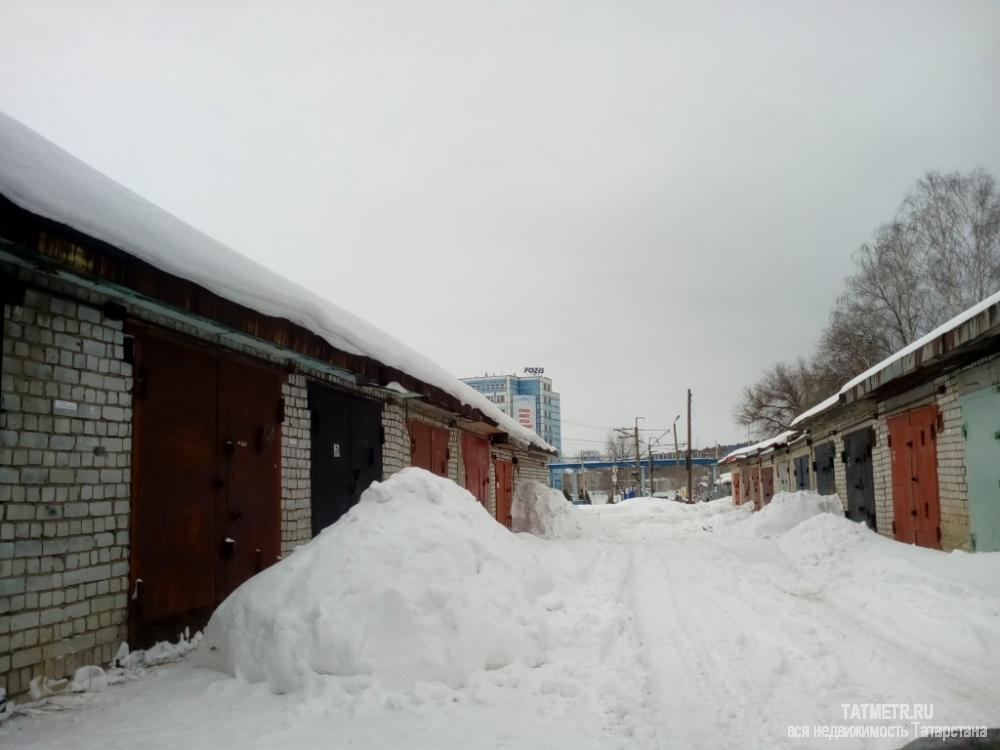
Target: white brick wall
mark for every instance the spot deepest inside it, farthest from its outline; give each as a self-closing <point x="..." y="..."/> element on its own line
<point x="65" y="461"/>
<point x="296" y="497"/>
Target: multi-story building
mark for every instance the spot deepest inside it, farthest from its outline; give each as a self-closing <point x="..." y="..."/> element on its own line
<point x="529" y="398"/>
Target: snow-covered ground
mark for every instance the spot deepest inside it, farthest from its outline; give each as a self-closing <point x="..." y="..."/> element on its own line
<point x="418" y="622"/>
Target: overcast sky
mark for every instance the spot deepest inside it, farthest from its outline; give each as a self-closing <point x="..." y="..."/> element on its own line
<point x="640" y="197"/>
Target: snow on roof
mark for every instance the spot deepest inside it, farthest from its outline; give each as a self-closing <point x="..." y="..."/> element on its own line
<point x="45" y="180"/>
<point x="817" y="409"/>
<point x="924" y="340"/>
<point x="774" y="442"/>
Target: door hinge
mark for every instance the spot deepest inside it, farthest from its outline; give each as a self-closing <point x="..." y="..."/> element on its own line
<point x="281" y="410"/>
<point x="381" y="435"/>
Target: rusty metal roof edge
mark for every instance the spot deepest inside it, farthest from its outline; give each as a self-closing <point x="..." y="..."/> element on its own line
<point x="937" y="347"/>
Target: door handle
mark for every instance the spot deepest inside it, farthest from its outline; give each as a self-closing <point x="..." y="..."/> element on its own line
<point x="228" y="547"/>
<point x="135" y="588"/>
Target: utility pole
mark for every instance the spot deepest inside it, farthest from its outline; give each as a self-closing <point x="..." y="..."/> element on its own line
<point x="638" y="456"/>
<point x="652" y="485"/>
<point x="690" y="497"/>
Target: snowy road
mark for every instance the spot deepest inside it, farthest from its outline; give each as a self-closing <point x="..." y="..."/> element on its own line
<point x="670" y="626"/>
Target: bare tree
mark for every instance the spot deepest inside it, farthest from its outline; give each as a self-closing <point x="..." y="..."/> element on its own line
<point x="938" y="256"/>
<point x="954" y="223"/>
<point x="782" y="393"/>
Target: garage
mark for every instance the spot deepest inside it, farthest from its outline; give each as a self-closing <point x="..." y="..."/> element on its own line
<point x="346" y="451"/>
<point x="206" y="480"/>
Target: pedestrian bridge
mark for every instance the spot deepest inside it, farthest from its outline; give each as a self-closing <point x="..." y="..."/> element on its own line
<point x="559" y="467"/>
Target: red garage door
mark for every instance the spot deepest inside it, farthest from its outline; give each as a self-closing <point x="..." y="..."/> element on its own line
<point x="915" y="501"/>
<point x="766" y="483"/>
<point x="429" y="447"/>
<point x="755" y="487"/>
<point x="736" y="488"/>
<point x="504" y="490"/>
<point x="205" y="481"/>
<point x="476" y="459"/>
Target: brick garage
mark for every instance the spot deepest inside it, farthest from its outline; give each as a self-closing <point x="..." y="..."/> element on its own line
<point x="67" y="429"/>
<point x="935" y="378"/>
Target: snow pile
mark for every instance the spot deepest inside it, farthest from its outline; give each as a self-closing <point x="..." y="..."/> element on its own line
<point x="786" y="511"/>
<point x="417" y="583"/>
<point x="545" y="512"/>
<point x="40" y="177"/>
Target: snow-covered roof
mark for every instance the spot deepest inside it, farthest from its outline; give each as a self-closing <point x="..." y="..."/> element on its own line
<point x="748" y="450"/>
<point x="819" y="408"/>
<point x="42" y="178"/>
<point x="923" y="341"/>
<point x="906" y="351"/>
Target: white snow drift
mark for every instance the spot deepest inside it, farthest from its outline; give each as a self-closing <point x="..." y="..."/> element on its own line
<point x="416" y="583"/>
<point x="417" y="621"/>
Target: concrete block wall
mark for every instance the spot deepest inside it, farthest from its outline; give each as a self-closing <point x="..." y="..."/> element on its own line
<point x="65" y="462"/>
<point x="296" y="497"/>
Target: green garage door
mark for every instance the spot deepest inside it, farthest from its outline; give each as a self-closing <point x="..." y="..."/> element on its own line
<point x="981" y="410"/>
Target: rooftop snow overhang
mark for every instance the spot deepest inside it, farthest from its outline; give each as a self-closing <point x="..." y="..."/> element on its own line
<point x="968" y="337"/>
<point x="36" y="242"/>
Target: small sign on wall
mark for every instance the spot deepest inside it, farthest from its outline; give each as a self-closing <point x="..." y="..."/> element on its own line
<point x="336" y="450"/>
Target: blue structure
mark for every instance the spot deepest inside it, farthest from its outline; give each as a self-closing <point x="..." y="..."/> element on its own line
<point x="557" y="469"/>
<point x="529" y="397"/>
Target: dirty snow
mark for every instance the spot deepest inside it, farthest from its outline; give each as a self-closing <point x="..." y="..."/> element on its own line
<point x="40" y="177"/>
<point x="650" y="624"/>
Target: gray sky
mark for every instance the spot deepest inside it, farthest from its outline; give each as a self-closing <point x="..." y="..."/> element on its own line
<point x="640" y="197"/>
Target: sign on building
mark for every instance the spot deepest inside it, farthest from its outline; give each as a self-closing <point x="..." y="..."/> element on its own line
<point x="524" y="410"/>
<point x="534" y="370"/>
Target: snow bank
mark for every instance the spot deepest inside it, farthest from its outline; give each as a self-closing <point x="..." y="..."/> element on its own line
<point x="417" y="583"/>
<point x="40" y="177"/>
<point x="545" y="512"/>
<point x="786" y="511"/>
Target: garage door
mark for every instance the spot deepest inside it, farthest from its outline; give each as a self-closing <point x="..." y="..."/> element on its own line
<point x="429" y="447"/>
<point x="981" y="411"/>
<point x="476" y="461"/>
<point x="346" y="451"/>
<point x="826" y="483"/>
<point x="205" y="481"/>
<point x="859" y="474"/>
<point x="916" y="507"/>
<point x="766" y="484"/>
<point x="504" y="471"/>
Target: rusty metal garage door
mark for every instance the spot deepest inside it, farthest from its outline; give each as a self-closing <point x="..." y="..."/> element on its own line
<point x="205" y="480"/>
<point x="476" y="460"/>
<point x="429" y="447"/>
<point x="737" y="498"/>
<point x="755" y="487"/>
<point x="766" y="484"/>
<point x="915" y="502"/>
<point x="504" y="471"/>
